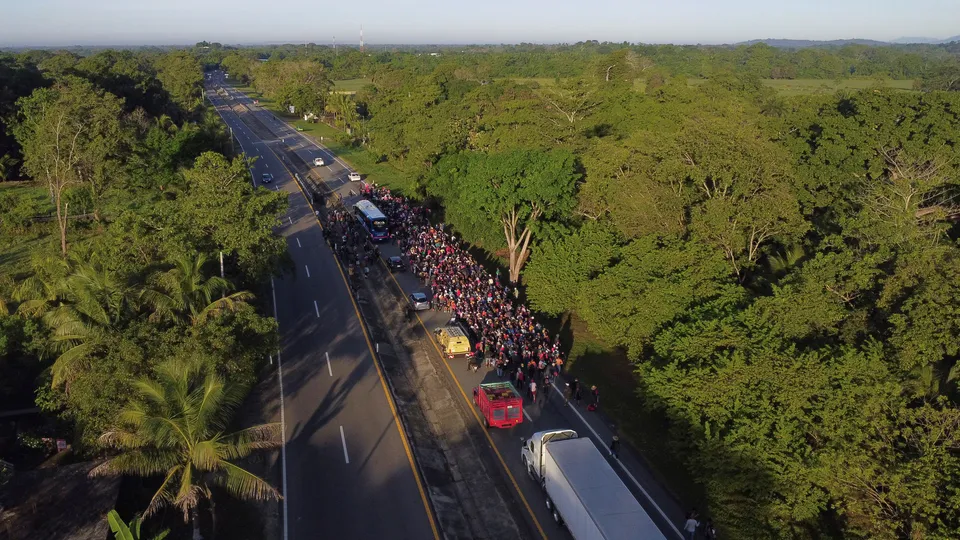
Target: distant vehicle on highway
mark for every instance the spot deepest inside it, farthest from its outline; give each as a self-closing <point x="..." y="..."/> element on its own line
<point x="395" y="263"/>
<point x="419" y="302"/>
<point x="318" y="162"/>
<point x="354" y="177"/>
<point x="266" y="178"/>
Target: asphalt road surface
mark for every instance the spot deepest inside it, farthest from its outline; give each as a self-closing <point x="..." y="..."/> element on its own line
<point x="553" y="413"/>
<point x="347" y="468"/>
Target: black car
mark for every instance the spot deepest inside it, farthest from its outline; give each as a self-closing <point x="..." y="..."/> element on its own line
<point x="395" y="263"/>
<point x="266" y="178"/>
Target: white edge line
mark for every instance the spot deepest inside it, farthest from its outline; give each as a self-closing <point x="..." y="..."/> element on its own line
<point x="343" y="438"/>
<point x="622" y="466"/>
<point x="283" y="423"/>
<point x="329" y="369"/>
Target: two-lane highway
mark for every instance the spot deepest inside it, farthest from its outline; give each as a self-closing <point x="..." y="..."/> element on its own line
<point x="348" y="470"/>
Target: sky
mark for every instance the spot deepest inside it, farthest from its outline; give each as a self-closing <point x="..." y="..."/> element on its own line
<point x="175" y="22"/>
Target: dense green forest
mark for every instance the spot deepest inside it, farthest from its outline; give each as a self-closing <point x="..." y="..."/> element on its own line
<point x="108" y="246"/>
<point x="781" y="272"/>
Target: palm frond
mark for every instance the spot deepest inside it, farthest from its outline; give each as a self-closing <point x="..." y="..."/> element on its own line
<point x="32" y="308"/>
<point x="164" y="495"/>
<point x="241" y="443"/>
<point x="204" y="456"/>
<point x="226" y="304"/>
<point x="190" y="492"/>
<point x="140" y="462"/>
<point x="70" y="362"/>
<point x="244" y="484"/>
<point x="163" y="305"/>
<point x="117" y="438"/>
<point x="210" y="406"/>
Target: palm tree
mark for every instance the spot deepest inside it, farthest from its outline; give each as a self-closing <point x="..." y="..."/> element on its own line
<point x="183" y="293"/>
<point x="787" y="259"/>
<point x="7" y="164"/>
<point x="175" y="427"/>
<point x="80" y="308"/>
<point x="129" y="531"/>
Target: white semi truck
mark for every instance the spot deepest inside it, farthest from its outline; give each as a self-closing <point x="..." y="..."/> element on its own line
<point x="583" y="492"/>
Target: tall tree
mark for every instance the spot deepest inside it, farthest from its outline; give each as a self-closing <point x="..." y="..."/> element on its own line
<point x="69" y="133"/>
<point x="512" y="192"/>
<point x="222" y="211"/>
<point x="176" y="427"/>
<point x="182" y="76"/>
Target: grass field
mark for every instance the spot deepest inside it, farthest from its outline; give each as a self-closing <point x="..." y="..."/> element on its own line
<point x="350" y="85"/>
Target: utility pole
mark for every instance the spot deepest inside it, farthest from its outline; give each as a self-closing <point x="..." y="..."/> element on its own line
<point x="221" y="265"/>
<point x="335" y="46"/>
<point x="232" y="149"/>
<point x="361" y="38"/>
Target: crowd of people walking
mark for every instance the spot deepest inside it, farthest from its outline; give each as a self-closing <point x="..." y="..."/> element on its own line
<point x="506" y="337"/>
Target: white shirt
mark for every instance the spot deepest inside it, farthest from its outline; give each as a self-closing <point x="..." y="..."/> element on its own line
<point x="691" y="525"/>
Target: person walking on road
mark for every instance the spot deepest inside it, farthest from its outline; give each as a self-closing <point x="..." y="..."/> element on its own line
<point x="690" y="526"/>
<point x="709" y="531"/>
<point x="615" y="447"/>
<point x="578" y="394"/>
<point x="533" y="390"/>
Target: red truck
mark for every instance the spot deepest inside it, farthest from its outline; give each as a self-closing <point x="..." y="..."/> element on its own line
<point x="499" y="403"/>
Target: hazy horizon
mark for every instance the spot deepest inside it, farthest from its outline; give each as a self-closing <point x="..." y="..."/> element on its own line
<point x="65" y="23"/>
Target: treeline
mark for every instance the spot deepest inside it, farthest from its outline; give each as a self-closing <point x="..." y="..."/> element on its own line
<point x="93" y="306"/>
<point x="563" y="61"/>
<point x="781" y="272"/>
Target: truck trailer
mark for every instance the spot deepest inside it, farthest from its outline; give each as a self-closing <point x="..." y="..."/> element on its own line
<point x="582" y="490"/>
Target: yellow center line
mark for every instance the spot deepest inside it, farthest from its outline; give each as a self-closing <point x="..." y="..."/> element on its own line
<point x="376" y="362"/>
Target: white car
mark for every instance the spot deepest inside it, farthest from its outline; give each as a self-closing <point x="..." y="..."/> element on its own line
<point x="318" y="162"/>
<point x="354" y="177"/>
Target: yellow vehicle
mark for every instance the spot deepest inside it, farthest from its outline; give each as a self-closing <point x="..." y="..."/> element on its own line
<point x="454" y="342"/>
